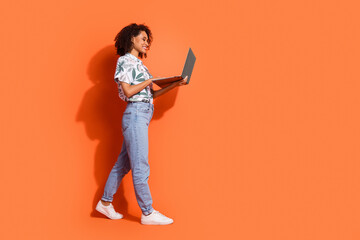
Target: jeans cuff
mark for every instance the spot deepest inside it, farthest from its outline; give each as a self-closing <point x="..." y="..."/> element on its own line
<point x="147" y="212"/>
<point x="107" y="199"/>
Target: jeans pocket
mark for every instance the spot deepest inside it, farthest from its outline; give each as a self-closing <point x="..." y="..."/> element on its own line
<point x="144" y="109"/>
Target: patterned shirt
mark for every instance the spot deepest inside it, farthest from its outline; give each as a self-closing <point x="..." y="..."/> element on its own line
<point x="131" y="70"/>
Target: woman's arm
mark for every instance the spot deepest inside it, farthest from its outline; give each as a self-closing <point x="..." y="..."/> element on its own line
<point x="168" y="88"/>
<point x="130" y="90"/>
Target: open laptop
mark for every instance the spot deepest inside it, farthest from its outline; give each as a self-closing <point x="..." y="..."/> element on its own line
<point x="187" y="71"/>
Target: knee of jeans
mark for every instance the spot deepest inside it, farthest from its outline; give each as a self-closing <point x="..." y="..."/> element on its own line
<point x="140" y="178"/>
<point x="120" y="170"/>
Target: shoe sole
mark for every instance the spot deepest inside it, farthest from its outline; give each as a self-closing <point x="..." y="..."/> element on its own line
<point x="152" y="223"/>
<point x="104" y="213"/>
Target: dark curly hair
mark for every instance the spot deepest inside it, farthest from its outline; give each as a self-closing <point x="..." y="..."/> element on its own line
<point x="123" y="43"/>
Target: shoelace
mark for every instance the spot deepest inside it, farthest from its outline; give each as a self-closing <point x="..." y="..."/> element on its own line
<point x="158" y="213"/>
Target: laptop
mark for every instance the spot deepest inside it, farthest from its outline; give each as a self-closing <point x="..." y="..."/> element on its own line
<point x="187" y="71"/>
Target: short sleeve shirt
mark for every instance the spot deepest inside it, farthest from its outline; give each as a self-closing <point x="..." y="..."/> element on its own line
<point x="131" y="70"/>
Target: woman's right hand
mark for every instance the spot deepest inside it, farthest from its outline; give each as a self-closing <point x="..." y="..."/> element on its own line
<point x="182" y="82"/>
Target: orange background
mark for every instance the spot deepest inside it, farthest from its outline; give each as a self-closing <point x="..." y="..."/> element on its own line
<point x="263" y="143"/>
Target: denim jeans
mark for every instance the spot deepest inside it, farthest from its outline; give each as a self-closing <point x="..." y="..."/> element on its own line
<point x="134" y="155"/>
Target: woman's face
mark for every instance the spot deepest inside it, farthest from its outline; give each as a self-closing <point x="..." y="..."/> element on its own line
<point x="141" y="42"/>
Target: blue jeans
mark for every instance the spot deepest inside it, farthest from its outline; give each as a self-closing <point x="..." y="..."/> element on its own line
<point x="134" y="155"/>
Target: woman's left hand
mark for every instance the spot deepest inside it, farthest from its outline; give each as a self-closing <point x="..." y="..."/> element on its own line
<point x="183" y="82"/>
<point x="173" y="85"/>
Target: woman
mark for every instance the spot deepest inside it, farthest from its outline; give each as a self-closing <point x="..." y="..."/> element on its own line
<point x="135" y="87"/>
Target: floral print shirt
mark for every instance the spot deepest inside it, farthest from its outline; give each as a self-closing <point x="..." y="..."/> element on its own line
<point x="131" y="70"/>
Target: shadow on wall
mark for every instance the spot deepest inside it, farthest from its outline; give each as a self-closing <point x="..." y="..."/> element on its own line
<point x="101" y="111"/>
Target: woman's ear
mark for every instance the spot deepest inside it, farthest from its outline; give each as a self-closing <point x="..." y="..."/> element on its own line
<point x="132" y="42"/>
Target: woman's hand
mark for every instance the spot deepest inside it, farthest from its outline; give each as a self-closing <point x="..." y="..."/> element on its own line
<point x="182" y="82"/>
<point x="169" y="87"/>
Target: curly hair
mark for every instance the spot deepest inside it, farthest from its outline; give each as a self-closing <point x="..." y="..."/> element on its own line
<point x="123" y="43"/>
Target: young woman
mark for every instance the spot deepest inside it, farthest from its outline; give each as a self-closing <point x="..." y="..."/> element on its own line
<point x="135" y="87"/>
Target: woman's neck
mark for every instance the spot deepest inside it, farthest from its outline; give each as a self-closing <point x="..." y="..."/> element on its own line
<point x="135" y="53"/>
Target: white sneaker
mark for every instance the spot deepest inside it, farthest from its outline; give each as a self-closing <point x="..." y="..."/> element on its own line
<point x="155" y="218"/>
<point x="108" y="211"/>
